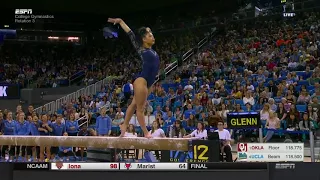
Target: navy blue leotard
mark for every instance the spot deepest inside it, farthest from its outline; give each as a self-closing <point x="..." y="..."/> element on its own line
<point x="151" y="61"/>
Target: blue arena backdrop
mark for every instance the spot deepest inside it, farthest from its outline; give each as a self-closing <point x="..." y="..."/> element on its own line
<point x="297" y="171"/>
<point x="9" y="91"/>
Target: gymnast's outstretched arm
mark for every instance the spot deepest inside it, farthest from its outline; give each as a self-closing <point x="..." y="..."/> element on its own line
<point x="126" y="29"/>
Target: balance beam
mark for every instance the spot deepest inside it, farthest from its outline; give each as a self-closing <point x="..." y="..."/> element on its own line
<point x="98" y="142"/>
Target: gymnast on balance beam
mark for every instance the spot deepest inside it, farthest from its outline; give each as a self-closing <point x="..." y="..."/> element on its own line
<point x="142" y="85"/>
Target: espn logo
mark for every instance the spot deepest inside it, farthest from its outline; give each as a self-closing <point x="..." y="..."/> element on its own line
<point x="23" y="11"/>
<point x="242" y="147"/>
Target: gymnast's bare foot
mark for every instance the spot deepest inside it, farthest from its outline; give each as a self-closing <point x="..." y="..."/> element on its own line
<point x="123" y="130"/>
<point x="148" y="135"/>
<point x="122" y="134"/>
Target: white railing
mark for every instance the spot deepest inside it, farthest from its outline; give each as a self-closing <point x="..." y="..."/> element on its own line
<point x="92" y="89"/>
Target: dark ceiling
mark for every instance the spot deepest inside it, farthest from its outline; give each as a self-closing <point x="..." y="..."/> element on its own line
<point x="93" y="14"/>
<point x="97" y="7"/>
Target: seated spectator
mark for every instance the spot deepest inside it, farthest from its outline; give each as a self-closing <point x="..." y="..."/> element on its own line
<point x="177" y="79"/>
<point x="292" y="123"/>
<point x="264" y="114"/>
<point x="160" y="119"/>
<point x="304" y="97"/>
<point x="314" y="79"/>
<point x="273" y="106"/>
<point x="199" y="133"/>
<point x="223" y="112"/>
<point x="238" y="108"/>
<point x="193" y="78"/>
<point x="315" y="104"/>
<point x="191" y="122"/>
<point x="216" y="99"/>
<point x="249" y="108"/>
<point x="119" y="117"/>
<point x="313" y="116"/>
<point x="273" y="88"/>
<point x="148" y="109"/>
<point x="178" y="114"/>
<point x="188" y="112"/>
<point x="65" y="151"/>
<point x="111" y="113"/>
<point x="248" y="98"/>
<point x="158" y="111"/>
<point x="290" y="97"/>
<point x="213" y="118"/>
<point x="293" y="90"/>
<point x="282" y="115"/>
<point x="286" y="105"/>
<point x="223" y="92"/>
<point x="249" y="87"/>
<point x="204" y="99"/>
<point x="188" y="87"/>
<point x="170" y="119"/>
<point x="177" y="130"/>
<point x="236" y="93"/>
<point x="127" y="89"/>
<point x="293" y="110"/>
<point x="272" y="123"/>
<point x="317" y="92"/>
<point x="307" y="74"/>
<point x="305" y="124"/>
<point x="225" y="140"/>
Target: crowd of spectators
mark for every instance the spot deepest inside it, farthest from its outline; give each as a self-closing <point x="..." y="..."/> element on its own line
<point x="272" y="67"/>
<point x="53" y="64"/>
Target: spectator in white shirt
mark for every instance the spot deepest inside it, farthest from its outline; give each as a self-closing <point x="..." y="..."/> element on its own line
<point x="216" y="99"/>
<point x="199" y="133"/>
<point x="225" y="139"/>
<point x="248" y="98"/>
<point x="292" y="64"/>
<point x="157" y="132"/>
<point x="131" y="132"/>
<point x="188" y="87"/>
<point x="205" y="86"/>
<point x="249" y="86"/>
<point x="118" y="119"/>
<point x="119" y="113"/>
<point x="193" y="78"/>
<point x="264" y="113"/>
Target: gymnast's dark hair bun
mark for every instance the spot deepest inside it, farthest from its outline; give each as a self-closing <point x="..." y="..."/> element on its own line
<point x="141" y="32"/>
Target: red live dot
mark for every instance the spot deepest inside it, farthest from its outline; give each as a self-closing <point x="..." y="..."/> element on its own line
<point x="114" y="166"/>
